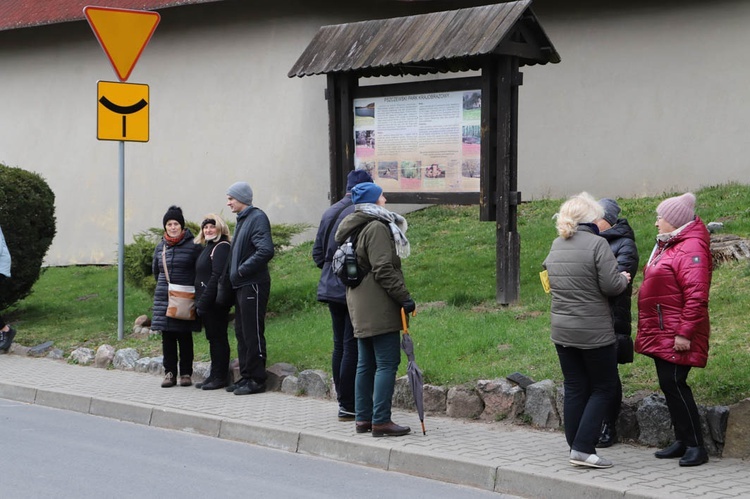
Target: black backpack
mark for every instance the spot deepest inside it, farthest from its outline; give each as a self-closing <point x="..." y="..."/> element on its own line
<point x="344" y="263"/>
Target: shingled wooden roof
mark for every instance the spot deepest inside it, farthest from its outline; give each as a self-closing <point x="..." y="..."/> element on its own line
<point x="16" y="14"/>
<point x="450" y="41"/>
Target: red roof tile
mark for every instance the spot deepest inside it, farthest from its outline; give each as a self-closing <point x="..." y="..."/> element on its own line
<point x="16" y="14"/>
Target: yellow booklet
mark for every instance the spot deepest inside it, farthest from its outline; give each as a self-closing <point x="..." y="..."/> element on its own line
<point x="544" y="276"/>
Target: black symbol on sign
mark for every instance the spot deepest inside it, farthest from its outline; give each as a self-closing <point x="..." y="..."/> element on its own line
<point x="123" y="110"/>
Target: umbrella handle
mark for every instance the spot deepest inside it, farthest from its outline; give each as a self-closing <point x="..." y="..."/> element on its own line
<point x="403" y="321"/>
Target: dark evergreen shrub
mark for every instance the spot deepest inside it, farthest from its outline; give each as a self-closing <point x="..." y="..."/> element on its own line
<point x="27" y="217"/>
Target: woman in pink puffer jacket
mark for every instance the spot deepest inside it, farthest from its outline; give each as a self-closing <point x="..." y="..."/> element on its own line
<point x="673" y="323"/>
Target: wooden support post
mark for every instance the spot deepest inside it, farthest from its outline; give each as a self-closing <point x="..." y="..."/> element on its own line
<point x="340" y="131"/>
<point x="507" y="237"/>
<point x="488" y="143"/>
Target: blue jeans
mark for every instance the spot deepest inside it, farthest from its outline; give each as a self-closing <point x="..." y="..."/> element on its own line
<point x="379" y="357"/>
<point x="590" y="385"/>
<point x="344" y="357"/>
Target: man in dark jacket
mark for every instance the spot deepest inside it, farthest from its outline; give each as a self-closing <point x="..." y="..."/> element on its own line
<point x="252" y="249"/>
<point x="333" y="292"/>
<point x="621" y="239"/>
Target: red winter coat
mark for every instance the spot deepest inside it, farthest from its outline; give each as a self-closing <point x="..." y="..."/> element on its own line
<point x="673" y="299"/>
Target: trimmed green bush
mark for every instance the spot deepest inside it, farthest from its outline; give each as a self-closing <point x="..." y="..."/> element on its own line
<point x="27" y="217"/>
<point x="138" y="258"/>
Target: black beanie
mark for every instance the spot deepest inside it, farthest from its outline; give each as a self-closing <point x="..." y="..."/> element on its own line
<point x="174" y="213"/>
<point x="357" y="177"/>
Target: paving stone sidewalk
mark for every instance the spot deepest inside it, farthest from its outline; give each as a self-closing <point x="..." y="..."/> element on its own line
<point x="494" y="456"/>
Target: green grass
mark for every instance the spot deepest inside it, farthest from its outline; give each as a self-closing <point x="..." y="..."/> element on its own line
<point x="460" y="333"/>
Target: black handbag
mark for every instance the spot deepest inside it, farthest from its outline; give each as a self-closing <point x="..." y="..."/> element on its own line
<point x="224" y="292"/>
<point x="624" y="346"/>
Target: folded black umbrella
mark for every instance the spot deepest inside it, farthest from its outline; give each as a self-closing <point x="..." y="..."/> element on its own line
<point x="413" y="373"/>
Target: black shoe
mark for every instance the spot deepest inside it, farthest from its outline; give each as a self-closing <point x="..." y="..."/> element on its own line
<point x="345" y="415"/>
<point x="214" y="384"/>
<point x="250" y="387"/>
<point x="6" y="339"/>
<point x="694" y="456"/>
<point x="607" y="437"/>
<point x="677" y="449"/>
<point x="233" y="386"/>
<point x="204" y="382"/>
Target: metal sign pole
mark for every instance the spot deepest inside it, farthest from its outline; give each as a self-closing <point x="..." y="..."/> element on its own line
<point x="121" y="248"/>
<point x="123" y="34"/>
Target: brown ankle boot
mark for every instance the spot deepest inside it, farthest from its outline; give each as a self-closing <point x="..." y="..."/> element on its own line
<point x="389" y="429"/>
<point x="185" y="380"/>
<point x="363" y="426"/>
<point x="168" y="381"/>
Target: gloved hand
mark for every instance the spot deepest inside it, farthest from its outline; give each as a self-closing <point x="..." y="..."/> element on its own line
<point x="409" y="306"/>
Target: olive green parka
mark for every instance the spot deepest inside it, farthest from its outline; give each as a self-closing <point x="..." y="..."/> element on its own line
<point x="374" y="305"/>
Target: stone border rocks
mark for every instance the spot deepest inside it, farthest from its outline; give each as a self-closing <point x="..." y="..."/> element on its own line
<point x="644" y="417"/>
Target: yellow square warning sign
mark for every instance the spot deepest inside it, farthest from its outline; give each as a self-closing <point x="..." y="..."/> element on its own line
<point x="122" y="111"/>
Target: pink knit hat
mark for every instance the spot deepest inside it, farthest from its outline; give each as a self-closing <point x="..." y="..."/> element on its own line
<point x="679" y="210"/>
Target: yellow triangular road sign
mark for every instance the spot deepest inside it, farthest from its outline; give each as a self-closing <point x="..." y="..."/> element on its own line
<point x="123" y="34"/>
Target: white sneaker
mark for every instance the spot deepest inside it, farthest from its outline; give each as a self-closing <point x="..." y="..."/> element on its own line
<point x="591" y="460"/>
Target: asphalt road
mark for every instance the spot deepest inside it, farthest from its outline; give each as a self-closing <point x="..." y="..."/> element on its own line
<point x="53" y="453"/>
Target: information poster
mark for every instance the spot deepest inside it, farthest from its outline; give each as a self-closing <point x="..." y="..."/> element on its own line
<point x="421" y="142"/>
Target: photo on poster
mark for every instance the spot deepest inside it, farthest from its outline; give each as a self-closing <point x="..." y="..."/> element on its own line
<point x="411" y="175"/>
<point x="364" y="142"/>
<point x="388" y="170"/>
<point x="473" y="105"/>
<point x="434" y="171"/>
<point x="364" y="115"/>
<point x="470" y="139"/>
<point x="434" y="177"/>
<point x="470" y="168"/>
<point x="471" y="134"/>
<point x="410" y="169"/>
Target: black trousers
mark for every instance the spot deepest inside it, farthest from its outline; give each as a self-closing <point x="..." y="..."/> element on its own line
<point x="682" y="408"/>
<point x="614" y="409"/>
<point x="344" y="356"/>
<point x="215" y="323"/>
<point x="170" y="341"/>
<point x="250" y="330"/>
<point x="590" y="377"/>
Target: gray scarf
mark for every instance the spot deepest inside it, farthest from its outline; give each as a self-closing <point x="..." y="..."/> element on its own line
<point x="396" y="222"/>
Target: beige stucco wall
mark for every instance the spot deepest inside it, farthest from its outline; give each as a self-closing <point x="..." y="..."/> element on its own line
<point x="647" y="99"/>
<point x="644" y="101"/>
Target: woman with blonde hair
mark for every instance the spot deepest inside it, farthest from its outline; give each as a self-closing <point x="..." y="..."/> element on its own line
<point x="582" y="275"/>
<point x="209" y="267"/>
